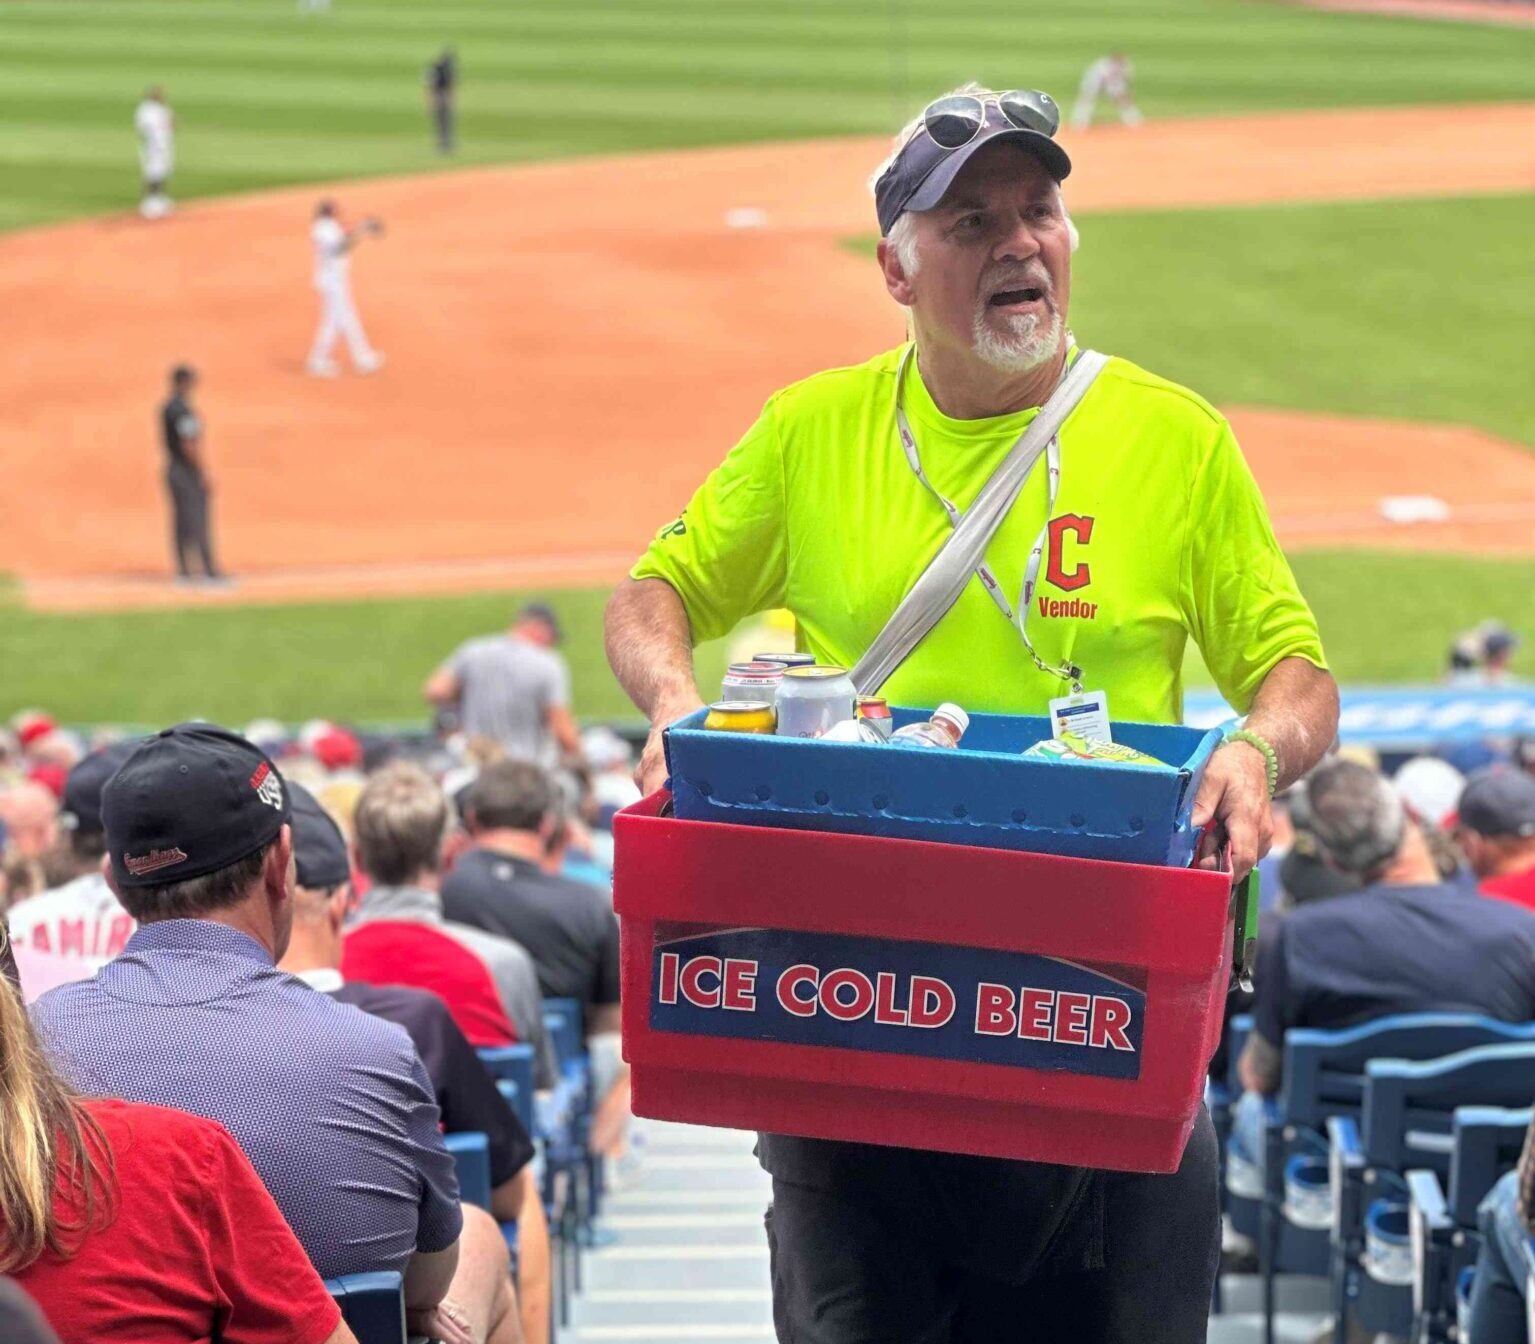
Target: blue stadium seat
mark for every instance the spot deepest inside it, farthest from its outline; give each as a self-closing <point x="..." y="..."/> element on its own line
<point x="564" y="1021"/>
<point x="1405" y="1124"/>
<point x="512" y="1068"/>
<point x="471" y="1156"/>
<point x="373" y="1305"/>
<point x="1445" y="1240"/>
<point x="1323" y="1079"/>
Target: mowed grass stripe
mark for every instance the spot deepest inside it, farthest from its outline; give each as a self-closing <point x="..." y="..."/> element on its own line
<point x="1408" y="310"/>
<point x="547" y="78"/>
<point x="1384" y="618"/>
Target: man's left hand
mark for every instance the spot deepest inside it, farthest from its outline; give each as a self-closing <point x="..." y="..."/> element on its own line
<point x="1235" y="792"/>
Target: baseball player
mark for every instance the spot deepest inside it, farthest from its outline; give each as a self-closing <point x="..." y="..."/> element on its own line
<point x="333" y="243"/>
<point x="1110" y="76"/>
<point x="156" y="127"/>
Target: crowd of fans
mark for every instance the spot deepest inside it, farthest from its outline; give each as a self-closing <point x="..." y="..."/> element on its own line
<point x="193" y="995"/>
<point x="1413" y="892"/>
<point x="258" y="969"/>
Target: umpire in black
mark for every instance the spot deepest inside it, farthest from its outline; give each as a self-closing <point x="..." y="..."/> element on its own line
<point x="186" y="477"/>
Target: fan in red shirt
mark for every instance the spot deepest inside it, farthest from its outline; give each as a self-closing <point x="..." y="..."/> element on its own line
<point x="126" y="1222"/>
<point x="1496" y="829"/>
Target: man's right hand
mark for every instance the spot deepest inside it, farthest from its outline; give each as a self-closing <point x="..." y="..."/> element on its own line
<point x="650" y="774"/>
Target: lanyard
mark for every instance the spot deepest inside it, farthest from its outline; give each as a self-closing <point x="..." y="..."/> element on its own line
<point x="1068" y="672"/>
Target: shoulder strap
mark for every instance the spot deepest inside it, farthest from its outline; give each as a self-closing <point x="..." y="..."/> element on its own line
<point x="941" y="583"/>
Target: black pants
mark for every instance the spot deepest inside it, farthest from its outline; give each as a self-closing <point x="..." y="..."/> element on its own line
<point x="189" y="520"/>
<point x="442" y="114"/>
<point x="1120" y="1259"/>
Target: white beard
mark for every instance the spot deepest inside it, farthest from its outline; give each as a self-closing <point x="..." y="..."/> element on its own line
<point x="1026" y="344"/>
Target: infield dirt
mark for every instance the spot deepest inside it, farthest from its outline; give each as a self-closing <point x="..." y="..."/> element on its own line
<point x="573" y="345"/>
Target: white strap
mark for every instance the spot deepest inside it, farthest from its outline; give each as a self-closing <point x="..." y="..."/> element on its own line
<point x="941" y="583"/>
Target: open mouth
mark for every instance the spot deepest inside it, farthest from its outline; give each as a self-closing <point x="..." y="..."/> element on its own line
<point x="1007" y="298"/>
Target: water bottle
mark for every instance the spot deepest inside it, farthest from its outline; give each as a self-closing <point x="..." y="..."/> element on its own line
<point x="944" y="729"/>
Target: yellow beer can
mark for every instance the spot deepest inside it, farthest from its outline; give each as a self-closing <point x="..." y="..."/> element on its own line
<point x="742" y="716"/>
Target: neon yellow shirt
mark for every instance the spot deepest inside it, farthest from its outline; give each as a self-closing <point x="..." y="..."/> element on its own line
<point x="1158" y="535"/>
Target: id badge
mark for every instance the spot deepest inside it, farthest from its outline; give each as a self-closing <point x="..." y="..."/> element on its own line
<point x="1086" y="714"/>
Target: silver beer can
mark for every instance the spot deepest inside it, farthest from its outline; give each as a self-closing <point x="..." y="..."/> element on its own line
<point x="755" y="680"/>
<point x="813" y="699"/>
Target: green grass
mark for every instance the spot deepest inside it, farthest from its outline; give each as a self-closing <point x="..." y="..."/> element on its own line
<point x="359" y="661"/>
<point x="1384" y="618"/>
<point x="1406" y="310"/>
<point x="265" y="96"/>
<point x="1412" y="310"/>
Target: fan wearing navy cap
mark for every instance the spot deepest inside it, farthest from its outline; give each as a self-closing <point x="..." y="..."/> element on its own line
<point x="80" y="924"/>
<point x="466" y="1094"/>
<point x="1496" y="829"/>
<point x="331" y="1105"/>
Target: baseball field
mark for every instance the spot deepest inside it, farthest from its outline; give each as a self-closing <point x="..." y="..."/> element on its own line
<point x="655" y="219"/>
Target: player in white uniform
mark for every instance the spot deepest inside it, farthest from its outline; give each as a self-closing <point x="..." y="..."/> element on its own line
<point x="1110" y="76"/>
<point x="333" y="243"/>
<point x="156" y="127"/>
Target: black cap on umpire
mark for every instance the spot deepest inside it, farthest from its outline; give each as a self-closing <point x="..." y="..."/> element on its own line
<point x="189" y="801"/>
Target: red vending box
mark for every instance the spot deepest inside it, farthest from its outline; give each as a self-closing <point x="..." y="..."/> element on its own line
<point x="925" y="995"/>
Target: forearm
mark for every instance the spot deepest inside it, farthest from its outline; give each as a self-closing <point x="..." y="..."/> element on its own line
<point x="1296" y="713"/>
<point x="428" y="1276"/>
<point x="650" y="646"/>
<point x="508" y="1198"/>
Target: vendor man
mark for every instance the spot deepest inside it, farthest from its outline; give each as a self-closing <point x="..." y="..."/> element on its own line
<point x="1152" y="532"/>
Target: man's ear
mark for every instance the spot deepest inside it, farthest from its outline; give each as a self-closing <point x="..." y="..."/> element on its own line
<point x="278" y="868"/>
<point x="111" y="877"/>
<point x="897" y="282"/>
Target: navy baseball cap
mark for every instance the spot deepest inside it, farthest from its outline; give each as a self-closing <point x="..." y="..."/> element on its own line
<point x="319" y="848"/>
<point x="923" y="169"/>
<point x="1499" y="801"/>
<point x="81" y="807"/>
<point x="188" y="801"/>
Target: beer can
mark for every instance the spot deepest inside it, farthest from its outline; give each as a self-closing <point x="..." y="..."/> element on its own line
<point x="753" y="681"/>
<point x="875" y="712"/>
<point x="741" y="716"/>
<point x="813" y="699"/>
<point x="787" y="659"/>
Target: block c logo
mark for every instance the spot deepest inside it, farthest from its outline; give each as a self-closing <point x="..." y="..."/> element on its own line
<point x="1081" y="574"/>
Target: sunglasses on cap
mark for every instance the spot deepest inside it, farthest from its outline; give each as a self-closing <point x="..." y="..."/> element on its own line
<point x="956" y="120"/>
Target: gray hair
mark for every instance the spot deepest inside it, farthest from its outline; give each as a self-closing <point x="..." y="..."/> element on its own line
<point x="1356" y="816"/>
<point x="903" y="233"/>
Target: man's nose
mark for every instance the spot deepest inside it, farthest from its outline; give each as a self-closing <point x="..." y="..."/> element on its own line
<point x="1018" y="242"/>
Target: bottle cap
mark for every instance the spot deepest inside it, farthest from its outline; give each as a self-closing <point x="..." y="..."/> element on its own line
<point x="954" y="714"/>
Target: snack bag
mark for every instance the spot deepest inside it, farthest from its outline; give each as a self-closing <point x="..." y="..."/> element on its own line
<point x="1070" y="747"/>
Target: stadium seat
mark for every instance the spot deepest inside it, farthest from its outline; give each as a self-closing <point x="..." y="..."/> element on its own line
<point x="1445" y="1240"/>
<point x="1323" y="1078"/>
<point x="373" y="1305"/>
<point x="1405" y="1124"/>
<point x="471" y="1157"/>
<point x="512" y="1068"/>
<point x="563" y="1020"/>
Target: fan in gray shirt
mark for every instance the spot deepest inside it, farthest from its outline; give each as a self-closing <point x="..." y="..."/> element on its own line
<point x="512" y="688"/>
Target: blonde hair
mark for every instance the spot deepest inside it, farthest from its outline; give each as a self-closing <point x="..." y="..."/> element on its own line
<point x="57" y="1177"/>
<point x="399" y="824"/>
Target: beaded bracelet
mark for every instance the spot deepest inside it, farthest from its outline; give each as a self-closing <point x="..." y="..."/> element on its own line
<point x="1270" y="756"/>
